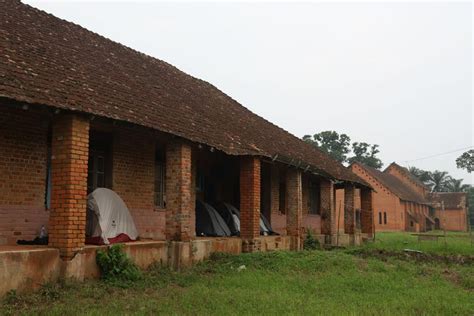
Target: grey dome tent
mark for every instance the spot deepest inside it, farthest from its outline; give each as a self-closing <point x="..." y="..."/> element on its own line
<point x="108" y="219"/>
<point x="209" y="222"/>
<point x="231" y="215"/>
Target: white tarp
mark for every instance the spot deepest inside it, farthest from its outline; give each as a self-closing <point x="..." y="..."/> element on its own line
<point x="108" y="216"/>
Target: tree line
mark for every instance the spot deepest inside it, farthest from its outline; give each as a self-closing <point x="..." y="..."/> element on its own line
<point x="339" y="147"/>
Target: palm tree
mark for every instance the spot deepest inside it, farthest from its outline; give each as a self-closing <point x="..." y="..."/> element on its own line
<point x="422" y="175"/>
<point x="455" y="185"/>
<point x="439" y="181"/>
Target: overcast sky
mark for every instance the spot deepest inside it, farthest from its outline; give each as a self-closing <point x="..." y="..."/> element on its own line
<point x="398" y="75"/>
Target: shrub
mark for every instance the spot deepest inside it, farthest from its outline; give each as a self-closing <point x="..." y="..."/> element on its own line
<point x="310" y="243"/>
<point x="115" y="265"/>
<point x="50" y="291"/>
<point x="11" y="298"/>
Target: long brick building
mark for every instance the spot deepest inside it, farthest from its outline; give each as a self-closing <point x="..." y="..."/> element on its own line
<point x="401" y="202"/>
<point x="79" y="111"/>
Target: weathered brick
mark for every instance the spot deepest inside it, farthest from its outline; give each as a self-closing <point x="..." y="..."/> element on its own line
<point x="68" y="204"/>
<point x="249" y="198"/>
<point x="180" y="203"/>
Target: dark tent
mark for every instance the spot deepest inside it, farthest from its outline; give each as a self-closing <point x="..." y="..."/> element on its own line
<point x="265" y="227"/>
<point x="231" y="216"/>
<point x="209" y="222"/>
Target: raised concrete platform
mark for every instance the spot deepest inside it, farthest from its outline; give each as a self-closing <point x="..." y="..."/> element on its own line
<point x="28" y="267"/>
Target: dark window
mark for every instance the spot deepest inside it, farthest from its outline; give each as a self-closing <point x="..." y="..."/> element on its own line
<point x="314" y="198"/>
<point x="100" y="162"/>
<point x="96" y="170"/>
<point x="160" y="178"/>
<point x="282" y="198"/>
<point x="385" y="217"/>
<point x="199" y="181"/>
<point x="411" y="223"/>
<point x="380" y="218"/>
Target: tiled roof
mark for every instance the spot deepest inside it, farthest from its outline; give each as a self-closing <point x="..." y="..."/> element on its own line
<point x="407" y="173"/>
<point x="452" y="200"/>
<point x="395" y="185"/>
<point x="49" y="61"/>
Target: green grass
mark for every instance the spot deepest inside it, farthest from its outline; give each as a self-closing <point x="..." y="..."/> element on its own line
<point x="337" y="282"/>
<point x="453" y="244"/>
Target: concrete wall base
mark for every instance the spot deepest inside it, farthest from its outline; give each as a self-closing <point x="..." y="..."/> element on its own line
<point x="341" y="240"/>
<point x="251" y="245"/>
<point x="25" y="269"/>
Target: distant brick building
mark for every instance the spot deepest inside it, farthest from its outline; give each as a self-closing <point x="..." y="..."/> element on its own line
<point x="403" y="203"/>
<point x="451" y="210"/>
<point x="79" y="112"/>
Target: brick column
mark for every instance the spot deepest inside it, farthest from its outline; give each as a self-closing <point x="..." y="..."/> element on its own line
<point x="294" y="214"/>
<point x="328" y="222"/>
<point x="179" y="197"/>
<point x="250" y="203"/>
<point x="349" y="209"/>
<point x="367" y="212"/>
<point x="69" y="159"/>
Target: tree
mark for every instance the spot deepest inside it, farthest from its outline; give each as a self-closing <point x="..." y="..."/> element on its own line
<point x="466" y="161"/>
<point x="439" y="181"/>
<point x="422" y="175"/>
<point x="337" y="146"/>
<point x="456" y="185"/>
<point x="366" y="154"/>
<point x="470" y="197"/>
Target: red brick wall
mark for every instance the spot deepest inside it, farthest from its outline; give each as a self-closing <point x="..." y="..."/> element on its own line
<point x="367" y="214"/>
<point x="310" y="221"/>
<point x="328" y="214"/>
<point x="133" y="176"/>
<point x="278" y="220"/>
<point x="339" y="209"/>
<point x="349" y="209"/>
<point x="179" y="196"/>
<point x="454" y="220"/>
<point x="23" y="154"/>
<point x="384" y="201"/>
<point x="395" y="171"/>
<point x="295" y="205"/>
<point x="70" y="152"/>
<point x="249" y="197"/>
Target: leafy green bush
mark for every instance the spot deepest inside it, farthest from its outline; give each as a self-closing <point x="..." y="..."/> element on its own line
<point x="310" y="243"/>
<point x="115" y="265"/>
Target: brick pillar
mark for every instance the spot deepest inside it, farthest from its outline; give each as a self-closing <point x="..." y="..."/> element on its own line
<point x="294" y="214"/>
<point x="367" y="212"/>
<point x="250" y="203"/>
<point x="349" y="209"/>
<point x="69" y="159"/>
<point x="328" y="222"/>
<point x="179" y="197"/>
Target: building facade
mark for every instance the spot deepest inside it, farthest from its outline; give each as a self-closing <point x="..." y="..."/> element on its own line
<point x="79" y="112"/>
<point x="398" y="206"/>
<point x="451" y="210"/>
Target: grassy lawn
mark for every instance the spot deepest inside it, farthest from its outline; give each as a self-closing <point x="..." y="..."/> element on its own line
<point x="309" y="282"/>
<point x="453" y="244"/>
